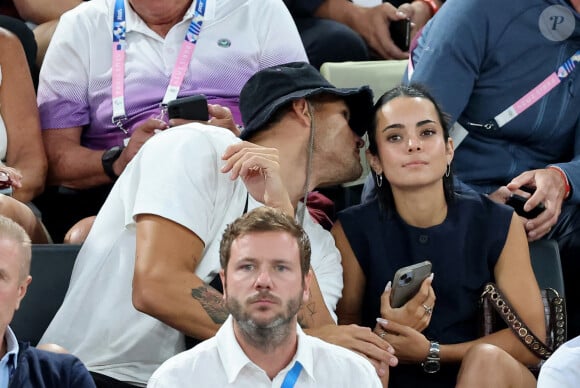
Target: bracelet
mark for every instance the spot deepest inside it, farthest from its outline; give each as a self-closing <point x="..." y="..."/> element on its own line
<point x="564" y="178"/>
<point x="432" y="5"/>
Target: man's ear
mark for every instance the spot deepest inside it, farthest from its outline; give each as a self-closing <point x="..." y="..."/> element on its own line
<point x="223" y="279"/>
<point x="374" y="162"/>
<point x="22" y="288"/>
<point x="300" y="109"/>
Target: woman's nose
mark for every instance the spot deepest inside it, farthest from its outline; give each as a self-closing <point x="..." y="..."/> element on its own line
<point x="414" y="143"/>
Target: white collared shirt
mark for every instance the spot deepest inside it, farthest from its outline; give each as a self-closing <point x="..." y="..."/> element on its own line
<point x="9" y="362"/>
<point x="221" y="362"/>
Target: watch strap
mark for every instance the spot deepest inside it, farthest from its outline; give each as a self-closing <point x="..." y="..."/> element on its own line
<point x="107" y="160"/>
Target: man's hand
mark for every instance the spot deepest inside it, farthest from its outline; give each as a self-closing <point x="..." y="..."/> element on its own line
<point x="419" y="13"/>
<point x="12" y="175"/>
<point x="413" y="313"/>
<point x="220" y="116"/>
<point x="410" y="345"/>
<point x="140" y="135"/>
<point x="361" y="340"/>
<point x="259" y="168"/>
<point x="372" y="24"/>
<point x="550" y="191"/>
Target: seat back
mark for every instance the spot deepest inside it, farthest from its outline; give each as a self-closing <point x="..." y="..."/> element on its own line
<point x="545" y="257"/>
<point x="51" y="270"/>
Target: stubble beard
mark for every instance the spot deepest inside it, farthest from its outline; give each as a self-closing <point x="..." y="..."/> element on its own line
<point x="266" y="336"/>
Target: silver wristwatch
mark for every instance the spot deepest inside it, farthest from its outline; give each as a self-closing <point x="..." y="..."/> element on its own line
<point x="432" y="363"/>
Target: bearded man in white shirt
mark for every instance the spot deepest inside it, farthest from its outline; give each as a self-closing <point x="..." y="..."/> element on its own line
<point x="265" y="259"/>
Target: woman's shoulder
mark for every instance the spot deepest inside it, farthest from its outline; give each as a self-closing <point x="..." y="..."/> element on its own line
<point x="366" y="209"/>
<point x="480" y="203"/>
<point x="479" y="214"/>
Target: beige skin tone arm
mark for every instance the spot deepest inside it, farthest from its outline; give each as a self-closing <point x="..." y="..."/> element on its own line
<point x="165" y="285"/>
<point x="75" y="166"/>
<point x="349" y="307"/>
<point x="41" y="11"/>
<point x="515" y="277"/>
<point x="25" y="151"/>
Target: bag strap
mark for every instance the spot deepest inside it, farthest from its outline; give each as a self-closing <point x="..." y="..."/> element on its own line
<point x="558" y="319"/>
<point x="492" y="293"/>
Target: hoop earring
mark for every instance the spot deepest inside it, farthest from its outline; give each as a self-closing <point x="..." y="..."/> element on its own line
<point x="379" y="179"/>
<point x="448" y="171"/>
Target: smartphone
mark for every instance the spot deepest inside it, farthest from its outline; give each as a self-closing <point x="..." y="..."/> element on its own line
<point x="517" y="202"/>
<point x="407" y="282"/>
<point x="189" y="108"/>
<point x="401" y="33"/>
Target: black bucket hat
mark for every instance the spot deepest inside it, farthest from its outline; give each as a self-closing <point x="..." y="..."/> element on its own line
<point x="273" y="87"/>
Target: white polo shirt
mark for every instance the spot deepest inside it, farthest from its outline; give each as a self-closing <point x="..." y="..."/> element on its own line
<point x="238" y="38"/>
<point x="175" y="175"/>
<point x="221" y="362"/>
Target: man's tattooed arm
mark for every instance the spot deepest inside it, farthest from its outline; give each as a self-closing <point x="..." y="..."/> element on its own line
<point x="212" y="302"/>
<point x="306" y="314"/>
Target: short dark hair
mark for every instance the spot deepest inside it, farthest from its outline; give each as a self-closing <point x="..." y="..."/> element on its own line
<point x="385" y="193"/>
<point x="265" y="219"/>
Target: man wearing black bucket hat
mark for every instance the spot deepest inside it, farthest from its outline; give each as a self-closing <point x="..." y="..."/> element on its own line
<point x="153" y="250"/>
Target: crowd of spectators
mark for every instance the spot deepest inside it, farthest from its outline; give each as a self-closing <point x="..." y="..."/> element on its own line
<point x="87" y="147"/>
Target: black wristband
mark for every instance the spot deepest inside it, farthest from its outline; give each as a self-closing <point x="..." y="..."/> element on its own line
<point x="109" y="157"/>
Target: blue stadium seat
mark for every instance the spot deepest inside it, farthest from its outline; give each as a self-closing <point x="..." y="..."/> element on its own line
<point x="545" y="257"/>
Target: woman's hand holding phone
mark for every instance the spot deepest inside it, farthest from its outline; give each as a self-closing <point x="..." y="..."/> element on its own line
<point x="416" y="312"/>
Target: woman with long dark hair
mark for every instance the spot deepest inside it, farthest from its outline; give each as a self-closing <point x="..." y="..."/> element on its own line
<point x="469" y="239"/>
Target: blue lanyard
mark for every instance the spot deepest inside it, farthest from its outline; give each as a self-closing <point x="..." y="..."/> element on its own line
<point x="292" y="376"/>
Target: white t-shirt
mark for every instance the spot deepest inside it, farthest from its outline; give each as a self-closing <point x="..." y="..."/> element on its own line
<point x="176" y="176"/>
<point x="221" y="362"/>
<point x="237" y="39"/>
<point x="3" y="134"/>
<point x="562" y="370"/>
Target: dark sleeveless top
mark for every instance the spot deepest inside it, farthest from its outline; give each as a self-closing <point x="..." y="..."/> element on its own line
<point x="464" y="250"/>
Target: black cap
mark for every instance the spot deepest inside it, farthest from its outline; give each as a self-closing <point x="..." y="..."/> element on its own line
<point x="273" y="87"/>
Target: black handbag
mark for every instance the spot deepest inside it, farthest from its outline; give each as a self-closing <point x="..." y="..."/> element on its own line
<point x="492" y="301"/>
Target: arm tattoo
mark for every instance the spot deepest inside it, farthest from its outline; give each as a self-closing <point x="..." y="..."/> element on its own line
<point x="212" y="302"/>
<point x="306" y="314"/>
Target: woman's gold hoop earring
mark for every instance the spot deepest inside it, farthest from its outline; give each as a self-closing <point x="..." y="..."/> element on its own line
<point x="379" y="179"/>
<point x="448" y="171"/>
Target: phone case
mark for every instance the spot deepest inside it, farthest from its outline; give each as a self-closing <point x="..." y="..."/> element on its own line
<point x="407" y="282"/>
<point x="517" y="202"/>
<point x="189" y="108"/>
<point x="400" y="31"/>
